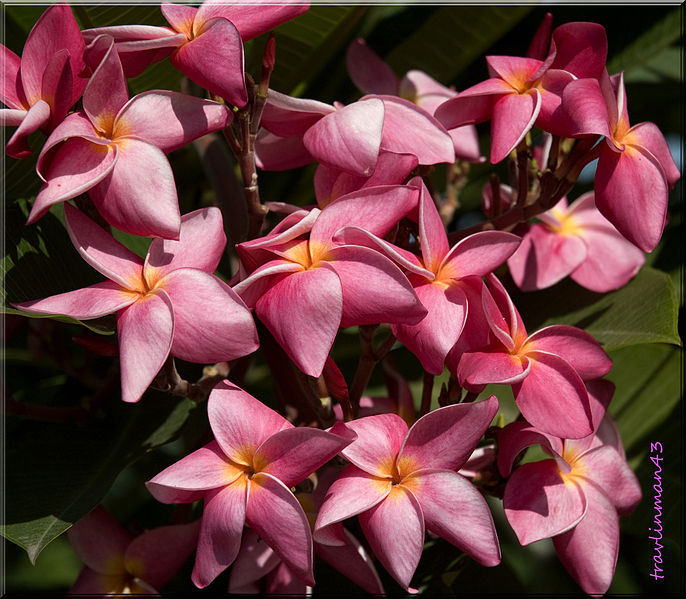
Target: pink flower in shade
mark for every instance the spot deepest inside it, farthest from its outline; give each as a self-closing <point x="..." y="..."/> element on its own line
<point x="117" y="563"/>
<point x="256" y="560"/>
<point x="401" y="482"/>
<point x="245" y="477"/>
<point x="547" y="370"/>
<point x="635" y="168"/>
<point x="526" y="91"/>
<point x="44" y="84"/>
<point x="574" y="498"/>
<point x="205" y="43"/>
<point x="304" y="285"/>
<point x="440" y="278"/>
<point x="577" y="241"/>
<point x="115" y="149"/>
<point x="373" y="76"/>
<point x="171" y="303"/>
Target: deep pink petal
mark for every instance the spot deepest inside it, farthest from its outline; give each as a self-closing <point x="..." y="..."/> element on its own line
<point x="258" y="283"/>
<point x="100" y="541"/>
<point x="479" y="254"/>
<point x="513" y="117"/>
<point x="293" y="454"/>
<point x="286" y="116"/>
<point x="83" y="304"/>
<point x="102" y="251"/>
<point x="455" y="510"/>
<point x="58" y="86"/>
<point x="368" y="72"/>
<point x="156" y="555"/>
<point x="170" y="120"/>
<point x="650" y="137"/>
<point x="303" y="312"/>
<point x="584" y="109"/>
<point x="496" y="295"/>
<point x="473" y="105"/>
<point x="139" y="194"/>
<point x="275" y="514"/>
<point x="445" y="438"/>
<point x="214" y="60"/>
<point x="10" y="82"/>
<point x="540" y="504"/>
<point x="145" y="331"/>
<point x="274" y="153"/>
<point x="180" y="17"/>
<point x="282" y="581"/>
<point x="580" y="48"/>
<point x="432" y="237"/>
<point x="400" y="551"/>
<point x="553" y="398"/>
<point x="593" y="570"/>
<point x="223" y="518"/>
<point x="205" y="469"/>
<point x="579" y="349"/>
<point x="255" y="560"/>
<point x="538" y="48"/>
<point x="349" y="138"/>
<point x="36" y="118"/>
<point x="514" y="70"/>
<point x="553" y="117"/>
<point x="91" y="582"/>
<point x="483" y="368"/>
<point x="516" y="437"/>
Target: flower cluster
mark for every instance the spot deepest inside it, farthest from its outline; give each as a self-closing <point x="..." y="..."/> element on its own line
<point x="372" y="253"/>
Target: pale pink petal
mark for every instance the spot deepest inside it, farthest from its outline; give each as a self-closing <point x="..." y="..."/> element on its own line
<point x="553" y="398"/>
<point x="36" y="117"/>
<point x="255" y="560"/>
<point x="180" y="17"/>
<point x="100" y="541"/>
<point x="77" y="166"/>
<point x="395" y="531"/>
<point x="303" y="312"/>
<point x="650" y="137"/>
<point x="368" y="72"/>
<point x="275" y="514"/>
<point x="479" y="254"/>
<point x="445" y="438"/>
<point x="379" y="439"/>
<point x="519" y="435"/>
<point x="350" y="138"/>
<point x="223" y="517"/>
<point x="293" y="454"/>
<point x="286" y="116"/>
<point x="139" y="194"/>
<point x="455" y="510"/>
<point x="205" y="469"/>
<point x="201" y="228"/>
<point x="513" y="117"/>
<point x="432" y="338"/>
<point x="545" y="257"/>
<point x="10" y="117"/>
<point x="593" y="570"/>
<point x="374" y="289"/>
<point x="170" y="120"/>
<point x="423" y="90"/>
<point x="274" y="153"/>
<point x="145" y="331"/>
<point x="156" y="555"/>
<point x="83" y="304"/>
<point x="352" y="493"/>
<point x="214" y="60"/>
<point x="484" y="368"/>
<point x="466" y="143"/>
<point x="579" y="349"/>
<point x="240" y="422"/>
<point x="540" y="504"/>
<point x="473" y="105"/>
<point x="10" y="82"/>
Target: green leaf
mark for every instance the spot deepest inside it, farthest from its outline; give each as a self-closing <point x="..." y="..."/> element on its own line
<point x="643" y="311"/>
<point x="663" y="66"/>
<point x="58" y="472"/>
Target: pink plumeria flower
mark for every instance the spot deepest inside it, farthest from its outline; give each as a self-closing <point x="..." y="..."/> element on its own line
<point x="373" y="76"/>
<point x="115" y="149"/>
<point x="574" y="498"/>
<point x="305" y="286"/>
<point x="401" y="482"/>
<point x="205" y="43"/>
<point x="117" y="563"/>
<point x="245" y="477"/>
<point x="169" y="303"/>
<point x="44" y="84"/>
<point x="574" y="241"/>
<point x="526" y="91"/>
<point x="547" y="370"/>
<point x="635" y="168"/>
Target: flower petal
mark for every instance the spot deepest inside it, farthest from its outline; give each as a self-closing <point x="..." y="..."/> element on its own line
<point x="286" y="116"/>
<point x="368" y="72"/>
<point x="484" y="368"/>
<point x="519" y="435"/>
<point x="10" y="82"/>
<point x="513" y="117"/>
<point x="650" y="137"/>
<point x="473" y="105"/>
<point x="36" y="117"/>
<point x="432" y="237"/>
<point x="91" y="582"/>
<point x="479" y="254"/>
<point x="255" y="560"/>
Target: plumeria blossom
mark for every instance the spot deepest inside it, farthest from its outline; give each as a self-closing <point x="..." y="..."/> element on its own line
<point x="547" y="370"/>
<point x="635" y="167"/>
<point x="574" y="241"/>
<point x="402" y="481"/>
<point x="115" y="149"/>
<point x="304" y="285"/>
<point x="245" y="476"/>
<point x="205" y="43"/>
<point x="169" y="303"/>
<point x="526" y="91"/>
<point x="117" y="563"/>
<point x="257" y="560"/>
<point x="574" y="497"/>
<point x="44" y="84"/>
<point x="372" y="75"/>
